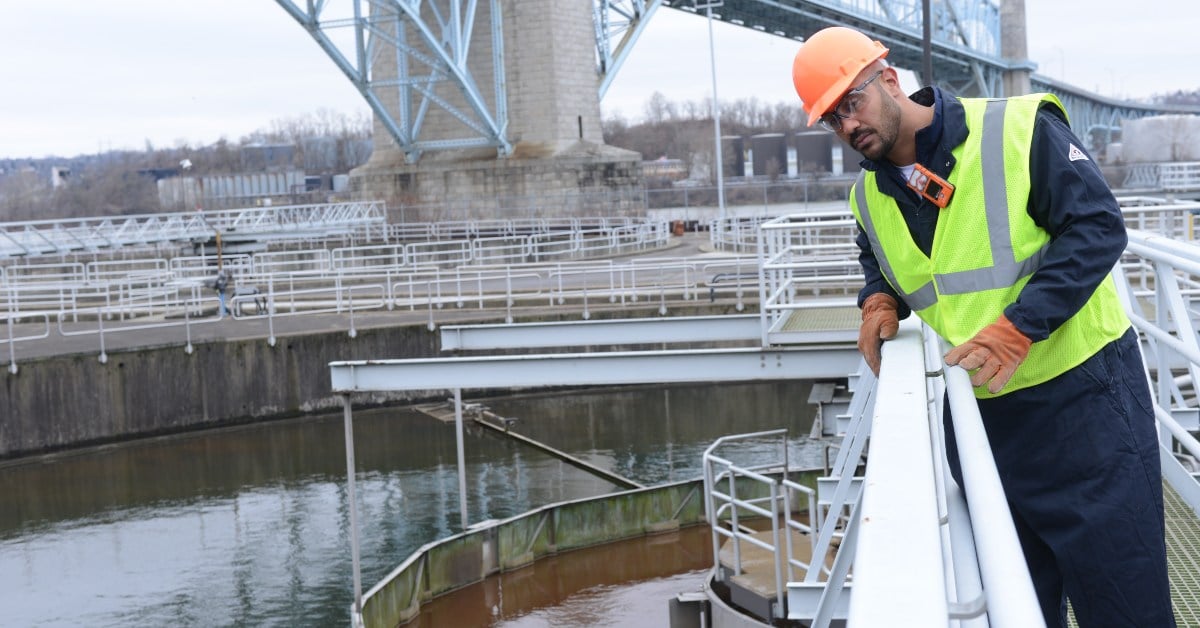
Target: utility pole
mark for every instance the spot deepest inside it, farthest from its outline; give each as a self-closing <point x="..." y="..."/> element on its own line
<point x="718" y="159"/>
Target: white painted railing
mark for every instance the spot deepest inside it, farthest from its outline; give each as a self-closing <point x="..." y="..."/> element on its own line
<point x="1172" y="346"/>
<point x="725" y="500"/>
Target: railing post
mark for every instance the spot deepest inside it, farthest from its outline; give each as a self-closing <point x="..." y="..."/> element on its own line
<point x="100" y="319"/>
<point x="12" y="348"/>
<point x="462" y="460"/>
<point x="352" y="501"/>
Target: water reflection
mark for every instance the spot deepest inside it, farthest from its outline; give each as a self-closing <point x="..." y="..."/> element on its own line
<point x="248" y="526"/>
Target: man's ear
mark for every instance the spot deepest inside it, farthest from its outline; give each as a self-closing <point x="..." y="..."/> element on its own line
<point x="891" y="79"/>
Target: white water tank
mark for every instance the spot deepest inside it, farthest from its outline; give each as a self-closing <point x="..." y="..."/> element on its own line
<point x="1158" y="139"/>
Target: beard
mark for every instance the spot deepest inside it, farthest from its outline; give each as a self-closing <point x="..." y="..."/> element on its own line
<point x="879" y="140"/>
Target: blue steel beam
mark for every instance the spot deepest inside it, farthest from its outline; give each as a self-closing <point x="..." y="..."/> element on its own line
<point x="966" y="33"/>
<point x="618" y="24"/>
<point x="965" y="46"/>
<point x="434" y="35"/>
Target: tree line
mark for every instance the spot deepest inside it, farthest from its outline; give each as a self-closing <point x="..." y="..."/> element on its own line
<point x="124" y="182"/>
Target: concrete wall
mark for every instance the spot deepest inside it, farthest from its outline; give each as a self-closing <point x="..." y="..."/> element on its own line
<point x="69" y="401"/>
<point x="586" y="181"/>
<point x="73" y="400"/>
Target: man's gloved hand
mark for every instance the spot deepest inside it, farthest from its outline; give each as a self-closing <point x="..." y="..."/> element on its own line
<point x="997" y="350"/>
<point x="879" y="322"/>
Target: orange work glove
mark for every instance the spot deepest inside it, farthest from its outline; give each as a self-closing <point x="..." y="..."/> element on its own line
<point x="997" y="350"/>
<point x="879" y="322"/>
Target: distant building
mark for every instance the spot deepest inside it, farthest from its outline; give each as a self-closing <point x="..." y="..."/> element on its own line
<point x="664" y="169"/>
<point x="59" y="176"/>
<point x="260" y="157"/>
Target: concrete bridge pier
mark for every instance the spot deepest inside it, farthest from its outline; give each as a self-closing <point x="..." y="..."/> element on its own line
<point x="550" y="122"/>
<point x="1014" y="46"/>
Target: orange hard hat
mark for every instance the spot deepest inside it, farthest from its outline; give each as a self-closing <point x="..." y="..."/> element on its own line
<point x="827" y="62"/>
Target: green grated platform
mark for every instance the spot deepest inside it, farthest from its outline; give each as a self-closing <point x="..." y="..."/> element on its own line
<point x="1183" y="559"/>
<point x="822" y="319"/>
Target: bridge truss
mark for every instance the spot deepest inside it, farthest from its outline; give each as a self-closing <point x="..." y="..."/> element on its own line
<point x="427" y="47"/>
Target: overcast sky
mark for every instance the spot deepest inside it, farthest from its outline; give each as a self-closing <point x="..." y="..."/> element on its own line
<point x="81" y="76"/>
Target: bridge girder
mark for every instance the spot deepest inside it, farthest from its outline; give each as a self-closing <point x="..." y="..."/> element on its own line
<point x="965" y="46"/>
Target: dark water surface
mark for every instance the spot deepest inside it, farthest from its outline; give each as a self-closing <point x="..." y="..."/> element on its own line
<point x="248" y="526"/>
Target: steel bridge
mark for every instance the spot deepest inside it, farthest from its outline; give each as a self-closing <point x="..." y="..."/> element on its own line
<point x="439" y="68"/>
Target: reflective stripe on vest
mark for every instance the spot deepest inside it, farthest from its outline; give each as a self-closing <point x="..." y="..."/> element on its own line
<point x="1005" y="269"/>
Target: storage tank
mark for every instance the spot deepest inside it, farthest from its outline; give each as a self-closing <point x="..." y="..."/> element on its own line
<point x="1158" y="139"/>
<point x="814" y="152"/>
<point x="733" y="155"/>
<point x="769" y="154"/>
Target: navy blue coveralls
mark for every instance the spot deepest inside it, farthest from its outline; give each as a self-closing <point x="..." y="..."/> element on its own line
<point x="1077" y="455"/>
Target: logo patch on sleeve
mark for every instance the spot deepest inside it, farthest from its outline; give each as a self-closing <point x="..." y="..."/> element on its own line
<point x="1075" y="154"/>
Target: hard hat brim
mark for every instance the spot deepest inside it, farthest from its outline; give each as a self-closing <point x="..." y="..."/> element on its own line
<point x="839" y="87"/>
<point x="829" y="99"/>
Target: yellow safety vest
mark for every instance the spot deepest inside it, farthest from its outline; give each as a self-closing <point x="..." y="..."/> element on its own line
<point x="985" y="246"/>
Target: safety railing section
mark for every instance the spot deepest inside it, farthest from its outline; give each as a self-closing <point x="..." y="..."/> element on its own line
<point x="1141" y="177"/>
<point x="1173" y="218"/>
<point x="1161" y="299"/>
<point x="824" y="233"/>
<point x="38" y="330"/>
<point x="803" y="256"/>
<point x="736" y="492"/>
<point x="1179" y="176"/>
<point x="108" y="298"/>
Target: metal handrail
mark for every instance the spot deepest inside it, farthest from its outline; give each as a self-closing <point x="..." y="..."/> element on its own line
<point x="777" y="509"/>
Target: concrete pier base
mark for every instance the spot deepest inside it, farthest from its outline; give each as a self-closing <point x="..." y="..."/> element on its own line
<point x="593" y="179"/>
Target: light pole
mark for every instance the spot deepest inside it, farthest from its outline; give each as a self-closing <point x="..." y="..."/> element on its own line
<point x="718" y="160"/>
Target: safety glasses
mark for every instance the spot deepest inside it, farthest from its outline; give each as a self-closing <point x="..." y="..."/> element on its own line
<point x="847" y="106"/>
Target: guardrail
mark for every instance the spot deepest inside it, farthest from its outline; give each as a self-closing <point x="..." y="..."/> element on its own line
<point x="769" y="498"/>
<point x="108" y="298"/>
<point x="1167" y="176"/>
<point x="1168" y="278"/>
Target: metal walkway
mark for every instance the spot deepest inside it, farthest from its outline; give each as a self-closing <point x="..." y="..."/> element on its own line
<point x="59" y="237"/>
<point x="1183" y="556"/>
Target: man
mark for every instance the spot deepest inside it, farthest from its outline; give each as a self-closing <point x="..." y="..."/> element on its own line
<point x="988" y="220"/>
<point x="221" y="284"/>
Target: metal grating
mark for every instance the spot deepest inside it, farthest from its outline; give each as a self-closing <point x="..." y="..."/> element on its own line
<point x="823" y="319"/>
<point x="1183" y="559"/>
